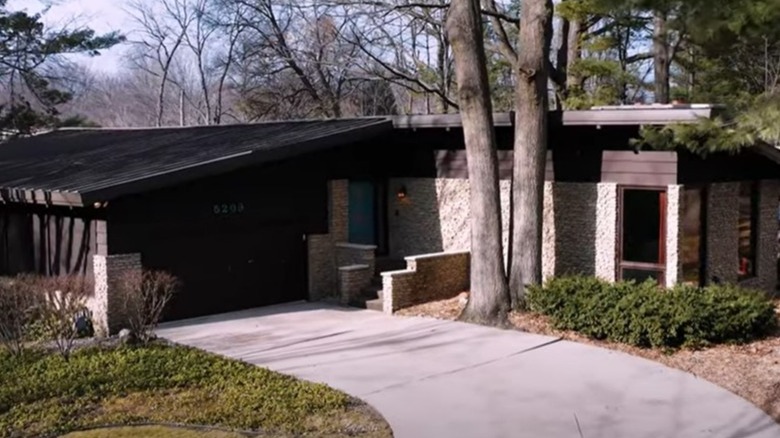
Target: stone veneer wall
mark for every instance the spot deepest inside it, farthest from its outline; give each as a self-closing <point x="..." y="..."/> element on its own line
<point x="722" y="232"/>
<point x="569" y="233"/>
<point x="427" y="277"/>
<point x="105" y="305"/>
<point x="674" y="207"/>
<point x="606" y="230"/>
<point x="723" y="235"/>
<point x="323" y="281"/>
<point x="434" y="215"/>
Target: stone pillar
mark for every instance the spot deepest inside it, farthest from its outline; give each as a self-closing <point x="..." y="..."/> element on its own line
<point x="548" y="232"/>
<point x="105" y="304"/>
<point x="673" y="238"/>
<point x="606" y="231"/>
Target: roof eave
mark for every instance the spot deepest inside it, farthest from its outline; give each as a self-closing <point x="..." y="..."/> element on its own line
<point x="41" y="197"/>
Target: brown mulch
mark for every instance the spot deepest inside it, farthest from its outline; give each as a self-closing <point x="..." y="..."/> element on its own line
<point x="751" y="371"/>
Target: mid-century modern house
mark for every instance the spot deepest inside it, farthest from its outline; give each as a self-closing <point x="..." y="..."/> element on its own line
<point x="258" y="214"/>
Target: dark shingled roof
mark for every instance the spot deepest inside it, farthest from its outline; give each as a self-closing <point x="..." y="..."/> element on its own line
<point x="81" y="166"/>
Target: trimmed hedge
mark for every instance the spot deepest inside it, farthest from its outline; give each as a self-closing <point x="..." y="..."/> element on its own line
<point x="645" y="315"/>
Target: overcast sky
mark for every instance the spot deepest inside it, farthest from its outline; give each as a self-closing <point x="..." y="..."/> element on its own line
<point x="101" y="15"/>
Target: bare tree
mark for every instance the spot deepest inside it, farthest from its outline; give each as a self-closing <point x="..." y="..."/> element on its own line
<point x="17" y="310"/>
<point x="143" y="296"/>
<point x="489" y="299"/>
<point x="158" y="42"/>
<point x="64" y="299"/>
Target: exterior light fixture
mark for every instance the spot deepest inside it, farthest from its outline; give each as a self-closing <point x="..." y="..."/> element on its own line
<point x="402" y="192"/>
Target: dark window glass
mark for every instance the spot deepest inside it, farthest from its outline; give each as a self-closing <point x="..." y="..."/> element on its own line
<point x="748" y="221"/>
<point x="692" y="235"/>
<point x="641" y="226"/>
<point x="640" y="275"/>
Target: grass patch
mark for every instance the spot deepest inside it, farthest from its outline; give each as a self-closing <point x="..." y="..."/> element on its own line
<point x="152" y="432"/>
<point x="43" y="395"/>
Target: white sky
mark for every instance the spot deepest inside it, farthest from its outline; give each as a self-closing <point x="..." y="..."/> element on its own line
<point x="100" y="15"/>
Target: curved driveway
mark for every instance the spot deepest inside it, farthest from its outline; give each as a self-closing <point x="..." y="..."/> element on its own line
<point x="434" y="378"/>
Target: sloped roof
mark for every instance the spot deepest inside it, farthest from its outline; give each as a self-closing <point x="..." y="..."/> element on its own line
<point x="81" y="166"/>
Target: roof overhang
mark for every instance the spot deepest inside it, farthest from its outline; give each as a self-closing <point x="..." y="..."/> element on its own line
<point x="40" y="197"/>
<point x="622" y="115"/>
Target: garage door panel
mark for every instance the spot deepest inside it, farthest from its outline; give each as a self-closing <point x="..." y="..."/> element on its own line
<point x="223" y="273"/>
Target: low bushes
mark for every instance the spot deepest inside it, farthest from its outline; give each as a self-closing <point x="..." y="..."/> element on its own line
<point x="646" y="315"/>
<point x="43" y="395"/>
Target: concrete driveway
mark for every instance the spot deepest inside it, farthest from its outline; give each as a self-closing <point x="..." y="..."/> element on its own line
<point x="446" y="379"/>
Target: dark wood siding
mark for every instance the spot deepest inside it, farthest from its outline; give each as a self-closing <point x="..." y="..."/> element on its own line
<point x="645" y="168"/>
<point x="725" y="167"/>
<point x="454" y="164"/>
<point x="48" y="240"/>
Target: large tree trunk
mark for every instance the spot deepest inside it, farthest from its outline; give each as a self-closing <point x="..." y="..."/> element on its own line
<point x="489" y="298"/>
<point x="574" y="46"/>
<point x="661" y="57"/>
<point x="531" y="105"/>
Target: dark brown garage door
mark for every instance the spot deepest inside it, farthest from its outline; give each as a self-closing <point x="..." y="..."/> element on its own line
<point x="226" y="272"/>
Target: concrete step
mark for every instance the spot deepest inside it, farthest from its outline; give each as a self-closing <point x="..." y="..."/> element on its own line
<point x="372" y="292"/>
<point x="376" y="304"/>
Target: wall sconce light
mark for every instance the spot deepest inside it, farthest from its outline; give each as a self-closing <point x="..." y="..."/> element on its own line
<point x="401" y="192"/>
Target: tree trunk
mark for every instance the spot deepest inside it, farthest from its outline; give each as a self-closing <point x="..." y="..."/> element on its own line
<point x="530" y="149"/>
<point x="661" y="57"/>
<point x="489" y="299"/>
<point x="574" y="46"/>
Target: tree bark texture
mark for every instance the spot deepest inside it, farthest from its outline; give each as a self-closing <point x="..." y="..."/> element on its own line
<point x="530" y="156"/>
<point x="574" y="46"/>
<point x="661" y="57"/>
<point x="489" y="299"/>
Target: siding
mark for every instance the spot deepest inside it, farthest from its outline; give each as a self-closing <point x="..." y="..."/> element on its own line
<point x="651" y="168"/>
<point x="454" y="164"/>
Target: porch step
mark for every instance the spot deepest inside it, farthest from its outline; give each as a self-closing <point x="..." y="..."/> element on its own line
<point x="368" y="303"/>
<point x="377" y="304"/>
<point x="372" y="292"/>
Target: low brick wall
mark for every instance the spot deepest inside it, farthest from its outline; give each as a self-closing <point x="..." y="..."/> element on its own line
<point x="427" y="277"/>
<point x="105" y="305"/>
<point x="352" y="280"/>
<point x="348" y="254"/>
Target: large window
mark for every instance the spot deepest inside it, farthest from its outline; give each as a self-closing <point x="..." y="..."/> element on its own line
<point x="748" y="229"/>
<point x="642" y="234"/>
<point x="692" y="238"/>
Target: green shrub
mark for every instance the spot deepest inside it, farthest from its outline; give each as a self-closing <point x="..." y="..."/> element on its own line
<point x="646" y="315"/>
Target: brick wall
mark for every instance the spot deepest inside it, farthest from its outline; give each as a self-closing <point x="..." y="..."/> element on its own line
<point x="323" y="274"/>
<point x="434" y="215"/>
<point x="352" y="280"/>
<point x="606" y="230"/>
<point x="427" y="277"/>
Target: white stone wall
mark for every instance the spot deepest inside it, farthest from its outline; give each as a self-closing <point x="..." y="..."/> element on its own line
<point x="673" y="240"/>
<point x="105" y="304"/>
<point x="606" y="230"/>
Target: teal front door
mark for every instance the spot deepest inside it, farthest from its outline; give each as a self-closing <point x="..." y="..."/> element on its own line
<point x="362" y="208"/>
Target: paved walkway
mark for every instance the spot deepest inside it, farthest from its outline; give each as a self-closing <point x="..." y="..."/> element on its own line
<point x="446" y="379"/>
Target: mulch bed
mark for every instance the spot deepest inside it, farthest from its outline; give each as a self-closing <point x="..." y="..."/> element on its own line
<point x="751" y="371"/>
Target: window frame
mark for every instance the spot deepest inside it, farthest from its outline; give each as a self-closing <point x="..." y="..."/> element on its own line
<point x="755" y="196"/>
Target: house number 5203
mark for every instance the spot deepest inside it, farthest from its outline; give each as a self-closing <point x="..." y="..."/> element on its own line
<point x="223" y="209"/>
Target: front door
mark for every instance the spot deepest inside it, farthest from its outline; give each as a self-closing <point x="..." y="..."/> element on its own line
<point x="642" y="247"/>
<point x="362" y="212"/>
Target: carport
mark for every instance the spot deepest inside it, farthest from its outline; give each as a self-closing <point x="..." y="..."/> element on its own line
<point x="224" y="208"/>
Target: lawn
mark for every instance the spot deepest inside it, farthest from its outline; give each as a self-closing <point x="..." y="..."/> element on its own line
<point x="42" y="395"/>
